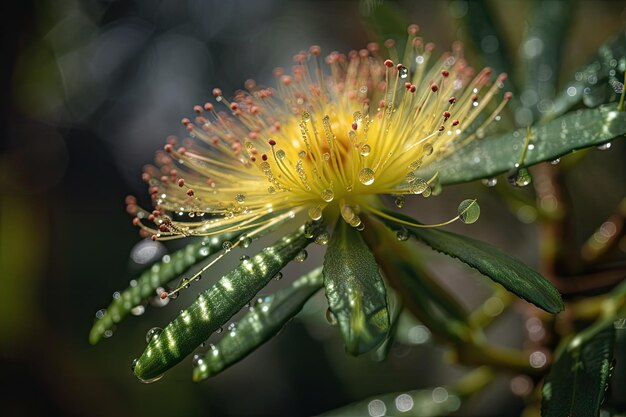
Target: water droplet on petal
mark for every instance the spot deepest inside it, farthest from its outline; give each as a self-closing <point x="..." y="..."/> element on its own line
<point x="366" y="176"/>
<point x="227" y="245"/>
<point x="327" y="195"/>
<point x="428" y="149"/>
<point x="280" y="154"/>
<point x="306" y="116"/>
<point x="153" y="333"/>
<point x="419" y="186"/>
<point x="365" y="150"/>
<point x="302" y="154"/>
<point x="315" y="213"/>
<point x="138" y="310"/>
<point x="404" y="72"/>
<point x="469" y="211"/>
<point x="240" y="198"/>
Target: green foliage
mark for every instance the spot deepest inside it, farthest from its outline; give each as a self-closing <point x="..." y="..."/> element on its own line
<point x="263" y="322"/>
<point x="159" y="274"/>
<point x="216" y="305"/>
<point x="576" y="383"/>
<point x="512" y="274"/>
<point x="355" y="291"/>
<point x="496" y="154"/>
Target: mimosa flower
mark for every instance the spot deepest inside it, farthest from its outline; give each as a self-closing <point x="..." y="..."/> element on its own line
<point x="323" y="141"/>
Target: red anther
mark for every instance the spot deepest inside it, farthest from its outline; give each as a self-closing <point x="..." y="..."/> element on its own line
<point x="430" y="47"/>
<point x="163" y="228"/>
<point x="151" y="217"/>
<point x="181" y="182"/>
<point x="249" y="84"/>
<point x="163" y="295"/>
<point x="190" y="192"/>
<point x="130" y="199"/>
<point x="315" y="50"/>
<point x="190" y="127"/>
<point x="164" y="179"/>
<point x="156" y="213"/>
<point x="181" y="150"/>
<point x="381" y="104"/>
<point x="153" y="237"/>
<point x="185" y="121"/>
<point x="364" y="53"/>
<point x="286" y="79"/>
<point x="373" y="47"/>
<point x="503" y="76"/>
<point x="413" y="29"/>
<point x="445" y="73"/>
<point x="215" y="140"/>
<point x="217" y="92"/>
<point x="434" y="88"/>
<point x="475" y="97"/>
<point x="441" y="128"/>
<point x="446" y="114"/>
<point x="168" y="148"/>
<point x="399" y="67"/>
<point x="508" y="95"/>
<point x="455" y="122"/>
<point x="145" y="177"/>
<point x="234" y="106"/>
<point x="197" y="109"/>
<point x="277" y="125"/>
<point x="255" y="110"/>
<point x="452" y="100"/>
<point x="407" y="85"/>
<point x="136" y="221"/>
<point x="272" y="142"/>
<point x="264" y="157"/>
<point x="354" y="126"/>
<point x="389" y="43"/>
<point x="208" y="106"/>
<point x="412" y="89"/>
<point x="131" y="209"/>
<point x="388" y="63"/>
<point x="253" y="158"/>
<point x="153" y="189"/>
<point x="253" y="135"/>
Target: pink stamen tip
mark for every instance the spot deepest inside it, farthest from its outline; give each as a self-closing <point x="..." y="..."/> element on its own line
<point x="388" y="63"/>
<point x="508" y="95"/>
<point x="315" y="50"/>
<point x="163" y="295"/>
<point x="413" y="29"/>
<point x="455" y="122"/>
<point x="445" y="73"/>
<point x="354" y="126"/>
<point x="434" y="88"/>
<point x="446" y="114"/>
<point x="452" y="100"/>
<point x="181" y="182"/>
<point x="217" y="92"/>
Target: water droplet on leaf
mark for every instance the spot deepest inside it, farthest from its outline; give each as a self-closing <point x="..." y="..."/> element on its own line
<point x="519" y="177"/>
<point x="153" y="333"/>
<point x="469" y="211"/>
<point x="301" y="256"/>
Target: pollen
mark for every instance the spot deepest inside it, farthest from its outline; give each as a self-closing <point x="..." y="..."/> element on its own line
<point x="322" y="141"/>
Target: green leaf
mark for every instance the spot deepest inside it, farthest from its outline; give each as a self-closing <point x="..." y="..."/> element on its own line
<point x="512" y="274"/>
<point x="576" y="383"/>
<point x="592" y="83"/>
<point x="159" y="274"/>
<point x="216" y="305"/>
<point x="262" y="323"/>
<point x="493" y="155"/>
<point x="355" y="291"/>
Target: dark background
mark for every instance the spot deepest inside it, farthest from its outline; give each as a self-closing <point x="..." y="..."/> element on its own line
<point x="91" y="88"/>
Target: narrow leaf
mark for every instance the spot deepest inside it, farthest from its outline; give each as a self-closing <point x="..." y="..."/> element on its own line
<point x="156" y="276"/>
<point x="594" y="83"/>
<point x="496" y="154"/>
<point x="355" y="291"/>
<point x="216" y="305"/>
<point x="576" y="383"/>
<point x="262" y="323"/>
<point x="512" y="274"/>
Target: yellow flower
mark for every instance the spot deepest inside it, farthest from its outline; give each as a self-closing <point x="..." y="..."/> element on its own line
<point x="323" y="141"/>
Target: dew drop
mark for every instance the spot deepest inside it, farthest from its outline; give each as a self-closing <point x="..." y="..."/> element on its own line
<point x="519" y="177"/>
<point x="325" y="156"/>
<point x="301" y="256"/>
<point x="244" y="258"/>
<point x="245" y="241"/>
<point x="327" y="195"/>
<point x="402" y="234"/>
<point x="489" y="182"/>
<point x="427" y="192"/>
<point x="196" y="360"/>
<point x="469" y="211"/>
<point x="133" y="364"/>
<point x="306" y="116"/>
<point x="605" y="146"/>
<point x="153" y="333"/>
<point x="366" y="176"/>
<point x="219" y="330"/>
<point x="100" y="313"/>
<point x="428" y="149"/>
<point x="173" y="295"/>
<point x="227" y="245"/>
<point x="357" y="116"/>
<point x="404" y="72"/>
<point x="156" y="378"/>
<point x="315" y="213"/>
<point x="278" y="276"/>
<point x="400" y="200"/>
<point x="556" y="161"/>
<point x="302" y="154"/>
<point x="330" y="317"/>
<point x="138" y="310"/>
<point x="322" y="239"/>
<point x="365" y="150"/>
<point x="419" y="186"/>
<point x="280" y="154"/>
<point x="116" y="295"/>
<point x="271" y="190"/>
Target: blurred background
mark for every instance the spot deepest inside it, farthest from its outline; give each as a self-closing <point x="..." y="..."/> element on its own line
<point x="91" y="88"/>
